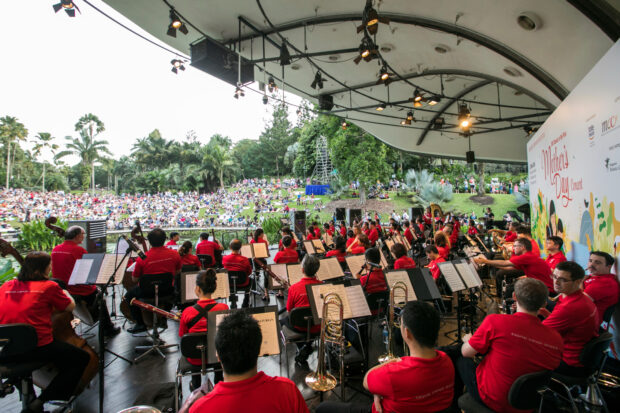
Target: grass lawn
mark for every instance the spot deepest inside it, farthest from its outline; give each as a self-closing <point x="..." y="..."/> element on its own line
<point x="461" y="203"/>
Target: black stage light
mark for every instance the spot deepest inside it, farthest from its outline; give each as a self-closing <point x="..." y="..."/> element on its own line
<point x="285" y="56"/>
<point x="68" y="5"/>
<point x="318" y="81"/>
<point x="175" y="24"/>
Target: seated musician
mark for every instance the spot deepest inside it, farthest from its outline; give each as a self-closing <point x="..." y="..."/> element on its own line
<point x="442" y="242"/>
<point x="187" y="258"/>
<point x="287" y="231"/>
<point x="352" y="235"/>
<point x="31" y="298"/>
<point x="328" y="229"/>
<point x="554" y="252"/>
<point x="420" y="382"/>
<point x="427" y="217"/>
<point x="395" y="229"/>
<point x="374" y="281"/>
<point x="244" y="389"/>
<point x="373" y="234"/>
<point x="432" y="253"/>
<point x="64" y="257"/>
<point x="509" y="235"/>
<point x="471" y="229"/>
<point x="601" y="285"/>
<point x="339" y="251"/>
<point x="360" y="245"/>
<point x="206" y="247"/>
<point x="194" y="319"/>
<point x="402" y="262"/>
<point x="288" y="255"/>
<point x="298" y="297"/>
<point x="174" y="238"/>
<point x="259" y="236"/>
<point x="159" y="260"/>
<point x="332" y="228"/>
<point x="365" y="228"/>
<point x="574" y="315"/>
<point x="421" y="227"/>
<point x="343" y="229"/>
<point x="378" y="224"/>
<point x="409" y="235"/>
<point x="237" y="262"/>
<point x="317" y="230"/>
<point x="310" y="234"/>
<point x="452" y="235"/>
<point x="512" y="345"/>
<point x="524" y="231"/>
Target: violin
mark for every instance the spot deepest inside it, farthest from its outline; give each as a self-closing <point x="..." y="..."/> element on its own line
<point x="6" y="248"/>
<point x="49" y="223"/>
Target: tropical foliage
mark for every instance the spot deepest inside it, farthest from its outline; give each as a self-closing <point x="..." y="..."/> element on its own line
<point x="35" y="236"/>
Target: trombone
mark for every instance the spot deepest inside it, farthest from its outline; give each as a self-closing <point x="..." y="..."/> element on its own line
<point x="389" y="356"/>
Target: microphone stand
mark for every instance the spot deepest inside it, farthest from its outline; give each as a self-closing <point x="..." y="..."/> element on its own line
<point x="102" y="349"/>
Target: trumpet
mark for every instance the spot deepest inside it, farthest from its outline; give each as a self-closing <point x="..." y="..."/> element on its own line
<point x="389" y="356"/>
<point x="331" y="331"/>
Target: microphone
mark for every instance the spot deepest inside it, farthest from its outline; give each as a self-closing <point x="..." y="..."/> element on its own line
<point x="134" y="247"/>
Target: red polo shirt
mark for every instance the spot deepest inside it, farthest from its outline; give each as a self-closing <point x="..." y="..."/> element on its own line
<point x="472" y="230"/>
<point x="201" y="325"/>
<point x="258" y="394"/>
<point x="373" y="236"/>
<point x="513" y="345"/>
<point x="350" y="241"/>
<point x="190" y="259"/>
<point x="443" y="252"/>
<point x="336" y="253"/>
<point x="32" y="302"/>
<point x="298" y="297"/>
<point x="171" y="242"/>
<point x="376" y="281"/>
<point x="64" y="257"/>
<point x="358" y="249"/>
<point x="317" y="233"/>
<point x="533" y="267"/>
<point x="343" y="231"/>
<point x="603" y="289"/>
<point x="293" y="244"/>
<point x="554" y="259"/>
<point x="414" y="384"/>
<point x="159" y="260"/>
<point x="286" y="256"/>
<point x="409" y="235"/>
<point x="404" y="263"/>
<point x="576" y="319"/>
<point x="206" y="247"/>
<point x="510" y="236"/>
<point x="237" y="262"/>
<point x="434" y="268"/>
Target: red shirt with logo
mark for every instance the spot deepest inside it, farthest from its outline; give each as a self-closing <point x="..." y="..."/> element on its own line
<point x="159" y="260"/>
<point x="404" y="263"/>
<point x="190" y="259"/>
<point x="206" y="247"/>
<point x="513" y="345"/>
<point x="298" y="297"/>
<point x="374" y="282"/>
<point x="533" y="267"/>
<point x="414" y="384"/>
<point x="237" y="262"/>
<point x="64" y="257"/>
<point x="434" y="268"/>
<point x="201" y="325"/>
<point x="286" y="256"/>
<point x="604" y="291"/>
<point x="554" y="259"/>
<point x="32" y="302"/>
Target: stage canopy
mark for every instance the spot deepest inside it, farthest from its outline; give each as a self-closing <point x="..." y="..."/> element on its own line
<point x="509" y="63"/>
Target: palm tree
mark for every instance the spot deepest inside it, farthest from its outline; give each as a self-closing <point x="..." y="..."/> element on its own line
<point x="10" y="130"/>
<point x="44" y="140"/>
<point x="91" y="126"/>
<point x="218" y="160"/>
<point x="86" y="149"/>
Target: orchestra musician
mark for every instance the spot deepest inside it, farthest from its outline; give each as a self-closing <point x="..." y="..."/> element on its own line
<point x="64" y="257"/>
<point x="310" y="234"/>
<point x="288" y="255"/>
<point x="259" y="236"/>
<point x="503" y="339"/>
<point x="374" y="280"/>
<point x="317" y="230"/>
<point x="352" y="235"/>
<point x="601" y="285"/>
<point x="339" y="251"/>
<point x="524" y="231"/>
<point x="420" y="382"/>
<point x="509" y="235"/>
<point x="432" y="254"/>
<point x="373" y="234"/>
<point x="187" y="258"/>
<point x="287" y="231"/>
<point x="442" y="242"/>
<point x="244" y="389"/>
<point x="328" y="229"/>
<point x="237" y="262"/>
<point x="31" y="298"/>
<point x="359" y="245"/>
<point x="554" y="252"/>
<point x="402" y="261"/>
<point x="194" y="319"/>
<point x="409" y="235"/>
<point x="174" y="238"/>
<point x="159" y="260"/>
<point x="471" y="229"/>
<point x="343" y="229"/>
<point x="451" y="234"/>
<point x="206" y="247"/>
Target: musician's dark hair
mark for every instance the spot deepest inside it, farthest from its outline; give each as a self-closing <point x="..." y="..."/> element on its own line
<point x="422" y="319"/>
<point x="431" y="248"/>
<point x="350" y="233"/>
<point x="173" y="234"/>
<point x="527" y="244"/>
<point x="235" y="244"/>
<point x="406" y="224"/>
<point x="556" y="240"/>
<point x="310" y="265"/>
<point x="398" y="250"/>
<point x="204" y="236"/>
<point x="531" y="294"/>
<point x="341" y="244"/>
<point x="206" y="280"/>
<point x="523" y="229"/>
<point x="441" y="239"/>
<point x="326" y="225"/>
<point x="157" y="237"/>
<point x="373" y="223"/>
<point x="237" y="342"/>
<point x="575" y="270"/>
<point x="73" y="232"/>
<point x="34" y="266"/>
<point x="286" y="230"/>
<point x="185" y="248"/>
<point x="609" y="260"/>
<point x="372" y="256"/>
<point x="287" y="240"/>
<point x="257" y="234"/>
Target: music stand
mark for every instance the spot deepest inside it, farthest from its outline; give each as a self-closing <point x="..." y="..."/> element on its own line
<point x="351" y="293"/>
<point x="392" y="277"/>
<point x="456" y="285"/>
<point x="329" y="268"/>
<point x="188" y="285"/>
<point x="309" y="247"/>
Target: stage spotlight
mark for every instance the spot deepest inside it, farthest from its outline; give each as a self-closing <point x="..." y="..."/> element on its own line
<point x="410" y="115"/>
<point x="318" y="81"/>
<point x="175" y="24"/>
<point x="433" y="100"/>
<point x="417" y="104"/>
<point x="239" y="92"/>
<point x="464" y="117"/>
<point x="271" y="85"/>
<point x="177" y="65"/>
<point x="438" y="123"/>
<point x="384" y="73"/>
<point x="417" y="96"/>
<point x="367" y="50"/>
<point x="69" y="7"/>
<point x="285" y="56"/>
<point x="381" y="107"/>
<point x="371" y="19"/>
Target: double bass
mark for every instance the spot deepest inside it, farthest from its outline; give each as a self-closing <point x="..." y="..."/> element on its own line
<point x="128" y="282"/>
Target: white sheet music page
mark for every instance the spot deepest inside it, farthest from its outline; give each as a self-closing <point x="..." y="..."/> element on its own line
<point x="269" y="329"/>
<point x="318" y="246"/>
<point x="329" y="268"/>
<point x="355" y="262"/>
<point x="320" y="292"/>
<point x="452" y="276"/>
<point x="246" y="251"/>
<point x="475" y="272"/>
<point x="222" y="288"/>
<point x="357" y="301"/>
<point x="107" y="268"/>
<point x="260" y="250"/>
<point x="309" y="247"/>
<point x="189" y="294"/>
<point x="389" y="243"/>
<point x="80" y="272"/>
<point x="384" y="262"/>
<point x="280" y="271"/>
<point x="295" y="274"/>
<point x="393" y="277"/>
<point x="466" y="274"/>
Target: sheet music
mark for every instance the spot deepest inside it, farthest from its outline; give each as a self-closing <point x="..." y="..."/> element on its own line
<point x="269" y="329"/>
<point x="121" y="246"/>
<point x="384" y="262"/>
<point x="222" y="288"/>
<point x="389" y="243"/>
<point x="80" y="272"/>
<point x="355" y="262"/>
<point x="107" y="268"/>
<point x="474" y="272"/>
<point x="173" y="247"/>
<point x="393" y="277"/>
<point x="295" y="274"/>
<point x="318" y="246"/>
<point x="246" y="251"/>
<point x="329" y="268"/>
<point x="406" y="243"/>
<point x="260" y="250"/>
<point x="357" y="301"/>
<point x="189" y="286"/>
<point x="452" y="276"/>
<point x="320" y="291"/>
<point x="328" y="239"/>
<point x="280" y="271"/>
<point x="309" y="247"/>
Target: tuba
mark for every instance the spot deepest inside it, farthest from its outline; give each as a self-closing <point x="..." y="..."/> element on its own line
<point x="331" y="331"/>
<point x="398" y="286"/>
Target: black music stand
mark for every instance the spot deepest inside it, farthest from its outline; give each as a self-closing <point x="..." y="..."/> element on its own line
<point x="456" y="285"/>
<point x="237" y="277"/>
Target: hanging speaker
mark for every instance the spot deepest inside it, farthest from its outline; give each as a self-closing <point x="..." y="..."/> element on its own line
<point x="469" y="155"/>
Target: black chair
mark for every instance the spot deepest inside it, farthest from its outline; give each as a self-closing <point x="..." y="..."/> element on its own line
<point x="607" y="316"/>
<point x="300" y="318"/>
<point x="206" y="260"/>
<point x="193" y="345"/>
<point x="17" y="339"/>
<point x="156" y="290"/>
<point x="235" y="278"/>
<point x="593" y="357"/>
<point x="190" y="268"/>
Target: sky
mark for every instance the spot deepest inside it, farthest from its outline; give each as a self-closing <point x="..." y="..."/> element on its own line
<point x="56" y="69"/>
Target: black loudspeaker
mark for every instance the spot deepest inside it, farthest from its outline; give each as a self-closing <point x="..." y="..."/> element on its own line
<point x="471" y="158"/>
<point x="298" y="220"/>
<point x="353" y="215"/>
<point x="341" y="214"/>
<point x="416" y="212"/>
<point x="326" y="102"/>
<point x="219" y="61"/>
<point x="95" y="238"/>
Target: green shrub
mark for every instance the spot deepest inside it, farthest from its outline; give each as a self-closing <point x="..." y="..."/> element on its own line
<point x="35" y="236"/>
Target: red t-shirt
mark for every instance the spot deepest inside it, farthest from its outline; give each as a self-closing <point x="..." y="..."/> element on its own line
<point x="350" y="241"/>
<point x="554" y="259"/>
<point x="514" y="345"/>
<point x="454" y="238"/>
<point x="310" y="236"/>
<point x="409" y="235"/>
<point x="376" y="281"/>
<point x="336" y="253"/>
<point x="443" y="252"/>
<point x="258" y="394"/>
<point x="206" y="247"/>
<point x="32" y="302"/>
<point x="373" y="236"/>
<point x="64" y="257"/>
<point x="472" y="230"/>
<point x="298" y="297"/>
<point x="171" y="242"/>
<point x="343" y="231"/>
<point x="404" y="263"/>
<point x="201" y="325"/>
<point x="533" y="267"/>
<point x="292" y="246"/>
<point x="159" y="260"/>
<point x="603" y="289"/>
<point x="286" y="256"/>
<point x="237" y="262"/>
<point x="414" y="384"/>
<point x="434" y="268"/>
<point x="190" y="259"/>
<point x="576" y="319"/>
<point x="317" y="233"/>
<point x="510" y="236"/>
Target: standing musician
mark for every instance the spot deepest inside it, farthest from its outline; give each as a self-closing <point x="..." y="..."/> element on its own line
<point x="432" y="253"/>
<point x="206" y="247"/>
<point x="359" y="245"/>
<point x="174" y="238"/>
<point x="64" y="257"/>
<point x="259" y="236"/>
<point x="244" y="389"/>
<point x="237" y="262"/>
<point x="194" y="319"/>
<point x="402" y="262"/>
<point x="159" y="260"/>
<point x="187" y="258"/>
<point x="374" y="281"/>
<point x="373" y="234"/>
<point x="601" y="285"/>
<point x="287" y="231"/>
<point x="421" y="382"/>
<point x="554" y="252"/>
<point x="31" y="299"/>
<point x="288" y="255"/>
<point x="339" y="251"/>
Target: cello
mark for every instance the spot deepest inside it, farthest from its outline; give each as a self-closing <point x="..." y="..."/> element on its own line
<point x="138" y="236"/>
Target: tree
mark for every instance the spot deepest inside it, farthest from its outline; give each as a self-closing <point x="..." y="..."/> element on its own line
<point x="87" y="150"/>
<point x="217" y="157"/>
<point x="481" y="184"/>
<point x="10" y="130"/>
<point x="275" y="139"/>
<point x="91" y="126"/>
<point x="43" y="140"/>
